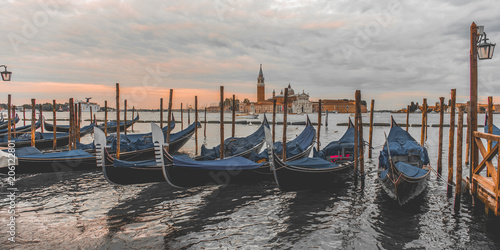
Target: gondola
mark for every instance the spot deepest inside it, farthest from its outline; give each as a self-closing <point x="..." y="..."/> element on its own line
<point x="237" y="146"/>
<point x="297" y="148"/>
<point x="181" y="171"/>
<point x="328" y="168"/>
<point x="46" y="140"/>
<point x="125" y="171"/>
<point x="403" y="166"/>
<point x="111" y="126"/>
<point x="141" y="148"/>
<point x="31" y="160"/>
<point x="4" y="132"/>
<point x="4" y="124"/>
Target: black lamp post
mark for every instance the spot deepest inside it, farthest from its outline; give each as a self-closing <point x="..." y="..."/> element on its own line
<point x="5" y="74"/>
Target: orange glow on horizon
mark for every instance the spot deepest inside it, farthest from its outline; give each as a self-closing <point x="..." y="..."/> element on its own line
<point x="140" y="97"/>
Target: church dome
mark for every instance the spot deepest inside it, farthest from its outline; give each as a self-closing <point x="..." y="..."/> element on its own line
<point x="290" y="90"/>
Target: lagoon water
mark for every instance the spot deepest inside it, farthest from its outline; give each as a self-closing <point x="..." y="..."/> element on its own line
<point x="81" y="210"/>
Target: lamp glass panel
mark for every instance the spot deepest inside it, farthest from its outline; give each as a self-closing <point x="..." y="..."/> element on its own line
<point x="483" y="51"/>
<point x="6" y="75"/>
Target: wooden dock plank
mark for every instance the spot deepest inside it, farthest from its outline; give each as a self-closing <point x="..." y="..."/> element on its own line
<point x="485" y="190"/>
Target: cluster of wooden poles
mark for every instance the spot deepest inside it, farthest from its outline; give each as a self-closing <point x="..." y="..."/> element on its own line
<point x="459" y="141"/>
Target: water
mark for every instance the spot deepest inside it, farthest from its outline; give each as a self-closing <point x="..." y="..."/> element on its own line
<point x="80" y="209"/>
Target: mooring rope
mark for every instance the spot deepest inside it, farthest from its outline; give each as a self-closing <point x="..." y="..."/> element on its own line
<point x="441" y="177"/>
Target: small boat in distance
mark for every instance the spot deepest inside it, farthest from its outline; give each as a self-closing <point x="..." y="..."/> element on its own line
<point x="247" y="116"/>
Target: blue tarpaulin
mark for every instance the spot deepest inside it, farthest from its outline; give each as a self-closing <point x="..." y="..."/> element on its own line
<point x="78" y="153"/>
<point x="313" y="163"/>
<point x="127" y="145"/>
<point x="134" y="164"/>
<point x="294" y="147"/>
<point x="345" y="143"/>
<point x="235" y="145"/>
<point x="406" y="169"/>
<point x="401" y="143"/>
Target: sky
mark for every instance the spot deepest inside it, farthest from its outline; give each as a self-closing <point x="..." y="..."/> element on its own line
<point x="393" y="51"/>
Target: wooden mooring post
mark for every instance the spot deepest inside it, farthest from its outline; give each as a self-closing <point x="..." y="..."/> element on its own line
<point x="319" y="124"/>
<point x="233" y="116"/>
<point x="54" y="146"/>
<point x="196" y="124"/>
<point x="9" y="103"/>
<point x="221" y="105"/>
<point x="205" y="125"/>
<point x="14" y="117"/>
<point x="285" y="112"/>
<point x="106" y="118"/>
<point x="79" y="121"/>
<point x="490" y="120"/>
<point x="133" y="117"/>
<point x="440" y="145"/>
<point x="161" y="114"/>
<point x="424" y="126"/>
<point x="40" y="117"/>
<point x="71" y="125"/>
<point x="490" y="126"/>
<point x="356" y="141"/>
<point x="451" y="142"/>
<point x="274" y="120"/>
<point x="90" y="114"/>
<point x="169" y="119"/>
<point x="407" y="117"/>
<point x="359" y="130"/>
<point x="370" y="135"/>
<point x="125" y="116"/>
<point x="118" y="121"/>
<point x="326" y="119"/>
<point x="182" y="119"/>
<point x="33" y="121"/>
<point x="467" y="140"/>
<point x="458" y="178"/>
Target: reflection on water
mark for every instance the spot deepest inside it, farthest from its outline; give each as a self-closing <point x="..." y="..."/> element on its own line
<point x="80" y="209"/>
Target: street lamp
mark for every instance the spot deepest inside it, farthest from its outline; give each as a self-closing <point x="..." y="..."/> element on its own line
<point x="484" y="48"/>
<point x="5" y="74"/>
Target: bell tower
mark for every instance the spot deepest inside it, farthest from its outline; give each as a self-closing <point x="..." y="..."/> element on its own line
<point x="261" y="88"/>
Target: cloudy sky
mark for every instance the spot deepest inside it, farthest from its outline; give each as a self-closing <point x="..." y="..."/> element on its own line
<point x="393" y="51"/>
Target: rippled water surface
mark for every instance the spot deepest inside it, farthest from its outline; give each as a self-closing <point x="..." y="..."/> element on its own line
<point x="81" y="210"/>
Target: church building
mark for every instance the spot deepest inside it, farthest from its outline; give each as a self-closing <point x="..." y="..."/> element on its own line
<point x="296" y="103"/>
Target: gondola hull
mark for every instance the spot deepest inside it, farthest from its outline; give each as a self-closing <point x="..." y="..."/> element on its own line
<point x="403" y="188"/>
<point x="5" y="124"/>
<point x="48" y="143"/>
<point x="194" y="177"/>
<point x="60" y="128"/>
<point x="43" y="165"/>
<point x="18" y="130"/>
<point x="127" y="176"/>
<point x="293" y="178"/>
<point x="138" y="175"/>
<point x="149" y="153"/>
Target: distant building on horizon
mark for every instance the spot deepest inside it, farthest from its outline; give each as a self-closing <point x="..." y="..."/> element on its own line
<point x="87" y="105"/>
<point x="297" y="103"/>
